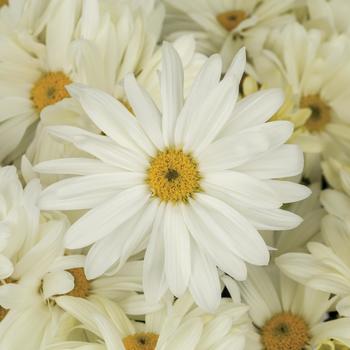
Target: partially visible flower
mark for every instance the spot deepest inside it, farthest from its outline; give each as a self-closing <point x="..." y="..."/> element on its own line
<point x="178" y="325"/>
<point x="327" y="266"/>
<point x="225" y="26"/>
<point x="318" y="74"/>
<point x="290" y="316"/>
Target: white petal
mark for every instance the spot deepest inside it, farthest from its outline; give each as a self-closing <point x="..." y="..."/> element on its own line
<point x="56" y="283"/>
<point x="145" y="109"/>
<point x="74" y="166"/>
<point x="241" y="236"/>
<point x="153" y="272"/>
<point x="207" y="79"/>
<point x="177" y="250"/>
<point x="255" y="109"/>
<point x="171" y="90"/>
<point x="204" y="284"/>
<point x="105" y="218"/>
<point x="88" y="191"/>
<point x="289" y="192"/>
<point x="113" y="118"/>
<point x="108" y="250"/>
<point x="6" y="267"/>
<point x="285" y="161"/>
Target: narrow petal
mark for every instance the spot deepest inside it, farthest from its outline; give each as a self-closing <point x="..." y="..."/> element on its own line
<point x="177" y="250"/>
<point x="171" y="82"/>
<point x="102" y="220"/>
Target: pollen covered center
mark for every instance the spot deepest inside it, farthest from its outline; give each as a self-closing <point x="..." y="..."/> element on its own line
<point x="173" y="176"/>
<point x="320" y="112"/>
<point x="50" y="89"/>
<point x="81" y="284"/>
<point x="231" y="19"/>
<point x="141" y="341"/>
<point x="4" y="2"/>
<point x="285" y="331"/>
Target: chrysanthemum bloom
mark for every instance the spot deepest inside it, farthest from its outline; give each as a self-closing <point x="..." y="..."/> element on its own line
<point x="83" y="42"/>
<point x="192" y="183"/>
<point x="300" y="56"/>
<point x="327" y="266"/>
<point x="178" y="325"/>
<point x="290" y="316"/>
<point x="225" y="26"/>
<point x="42" y="271"/>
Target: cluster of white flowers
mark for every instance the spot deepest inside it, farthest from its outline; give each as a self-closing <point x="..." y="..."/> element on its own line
<point x="174" y="174"/>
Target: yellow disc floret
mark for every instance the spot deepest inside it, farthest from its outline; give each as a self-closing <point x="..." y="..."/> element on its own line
<point x="81" y="284"/>
<point x="231" y="19"/>
<point x="320" y="112"/>
<point x="285" y="331"/>
<point x="141" y="341"/>
<point x="50" y="89"/>
<point x="173" y="176"/>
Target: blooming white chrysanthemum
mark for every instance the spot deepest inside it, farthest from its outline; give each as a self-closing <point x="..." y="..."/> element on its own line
<point x="44" y="271"/>
<point x="225" y="26"/>
<point x="327" y="266"/>
<point x="94" y="46"/>
<point x="290" y="316"/>
<point x="195" y="182"/>
<point x="176" y="326"/>
<point x="318" y="73"/>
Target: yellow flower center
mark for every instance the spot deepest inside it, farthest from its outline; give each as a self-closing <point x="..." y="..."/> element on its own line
<point x="231" y="19"/>
<point x="49" y="89"/>
<point x="320" y="112"/>
<point x="173" y="176"/>
<point x="141" y="341"/>
<point x="3" y="2"/>
<point x="285" y="331"/>
<point x="81" y="284"/>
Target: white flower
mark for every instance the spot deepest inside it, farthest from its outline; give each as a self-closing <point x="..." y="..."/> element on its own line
<point x="225" y="26"/>
<point x="288" y="315"/>
<point x="194" y="181"/>
<point x="176" y="326"/>
<point x="318" y="73"/>
<point x="45" y="271"/>
<point x="82" y="44"/>
<point x="327" y="266"/>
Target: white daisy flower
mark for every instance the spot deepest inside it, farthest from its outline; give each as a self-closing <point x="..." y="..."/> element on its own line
<point x="318" y="74"/>
<point x="225" y="26"/>
<point x="177" y="326"/>
<point x="196" y="181"/>
<point x="93" y="48"/>
<point x="45" y="271"/>
<point x="327" y="266"/>
<point x="288" y="315"/>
